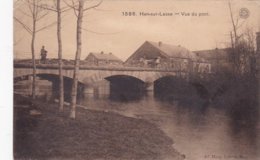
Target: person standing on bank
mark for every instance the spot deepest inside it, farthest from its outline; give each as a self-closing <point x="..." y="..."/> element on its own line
<point x="43" y="55"/>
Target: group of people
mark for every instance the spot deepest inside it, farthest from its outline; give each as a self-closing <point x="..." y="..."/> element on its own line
<point x="152" y="62"/>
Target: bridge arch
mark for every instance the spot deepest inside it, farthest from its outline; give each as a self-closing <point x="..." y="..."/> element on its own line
<point x="185" y="91"/>
<point x="53" y="73"/>
<point x="103" y="75"/>
<point x="125" y="87"/>
<point x="53" y="84"/>
<point x="111" y="77"/>
<point x="171" y="87"/>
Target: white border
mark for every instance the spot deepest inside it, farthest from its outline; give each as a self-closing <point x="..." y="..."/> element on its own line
<point x="6" y="80"/>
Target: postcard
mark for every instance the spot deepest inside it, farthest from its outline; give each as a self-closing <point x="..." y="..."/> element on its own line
<point x="136" y="80"/>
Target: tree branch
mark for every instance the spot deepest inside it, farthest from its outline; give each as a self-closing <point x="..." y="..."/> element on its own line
<point x="65" y="9"/>
<point x="100" y="33"/>
<point x="46" y="7"/>
<point x="88" y="8"/>
<point x="237" y="20"/>
<point x="50" y="8"/>
<point x="24" y="13"/>
<point x="55" y="3"/>
<point x="241" y="24"/>
<point x="17" y="41"/>
<point x="71" y="6"/>
<point x="233" y="23"/>
<point x="42" y="16"/>
<point x="103" y="10"/>
<point x="23" y="25"/>
<point x="46" y="27"/>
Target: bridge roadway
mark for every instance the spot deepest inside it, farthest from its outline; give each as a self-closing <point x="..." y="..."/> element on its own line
<point x="91" y="74"/>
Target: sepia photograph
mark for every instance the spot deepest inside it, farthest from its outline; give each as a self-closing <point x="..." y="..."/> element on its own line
<point x="136" y="79"/>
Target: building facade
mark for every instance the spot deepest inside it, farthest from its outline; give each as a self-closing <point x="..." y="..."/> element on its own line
<point x="218" y="58"/>
<point x="161" y="55"/>
<point x="102" y="59"/>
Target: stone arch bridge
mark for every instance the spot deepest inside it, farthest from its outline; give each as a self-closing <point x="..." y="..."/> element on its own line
<point x="121" y="79"/>
<point x="92" y="74"/>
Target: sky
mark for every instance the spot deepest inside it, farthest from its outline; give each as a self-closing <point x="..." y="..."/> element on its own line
<point x="107" y="29"/>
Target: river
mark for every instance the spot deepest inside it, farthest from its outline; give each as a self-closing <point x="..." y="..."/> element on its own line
<point x="200" y="133"/>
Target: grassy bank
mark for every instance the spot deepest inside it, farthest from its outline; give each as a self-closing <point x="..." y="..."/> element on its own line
<point x="93" y="135"/>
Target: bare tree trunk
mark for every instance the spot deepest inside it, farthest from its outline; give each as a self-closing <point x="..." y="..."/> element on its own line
<point x="232" y="40"/>
<point x="33" y="59"/>
<point x="77" y="60"/>
<point x="233" y="25"/>
<point x="233" y="57"/>
<point x="61" y="87"/>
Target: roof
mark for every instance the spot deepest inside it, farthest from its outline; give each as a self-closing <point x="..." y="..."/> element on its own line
<point x="213" y="53"/>
<point x="173" y="51"/>
<point x="103" y="56"/>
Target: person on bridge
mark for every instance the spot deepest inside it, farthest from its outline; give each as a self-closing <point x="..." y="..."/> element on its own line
<point x="157" y="61"/>
<point x="43" y="55"/>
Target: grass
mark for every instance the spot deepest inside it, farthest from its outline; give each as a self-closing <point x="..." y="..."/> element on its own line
<point x="94" y="135"/>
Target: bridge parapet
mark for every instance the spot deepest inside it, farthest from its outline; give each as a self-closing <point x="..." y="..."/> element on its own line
<point x="92" y="67"/>
<point x="84" y="65"/>
<point x="91" y="74"/>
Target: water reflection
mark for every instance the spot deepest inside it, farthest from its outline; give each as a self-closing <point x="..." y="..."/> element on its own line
<point x="126" y="96"/>
<point x="197" y="130"/>
<point x="244" y="120"/>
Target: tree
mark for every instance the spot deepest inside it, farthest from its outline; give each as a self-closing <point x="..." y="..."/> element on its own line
<point x="79" y="12"/>
<point x="36" y="14"/>
<point x="57" y="8"/>
<point x="61" y="88"/>
<point x="242" y="44"/>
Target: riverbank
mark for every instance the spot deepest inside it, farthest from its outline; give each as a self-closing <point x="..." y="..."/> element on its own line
<point x="41" y="132"/>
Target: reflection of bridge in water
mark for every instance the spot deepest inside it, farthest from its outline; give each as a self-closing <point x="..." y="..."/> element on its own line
<point x="119" y="79"/>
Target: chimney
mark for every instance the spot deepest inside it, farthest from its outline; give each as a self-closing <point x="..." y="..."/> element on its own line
<point x="159" y="43"/>
<point x="258" y="42"/>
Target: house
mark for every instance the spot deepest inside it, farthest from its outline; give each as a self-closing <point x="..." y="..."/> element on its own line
<point x="159" y="54"/>
<point x="223" y="59"/>
<point x="218" y="58"/>
<point x="102" y="59"/>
